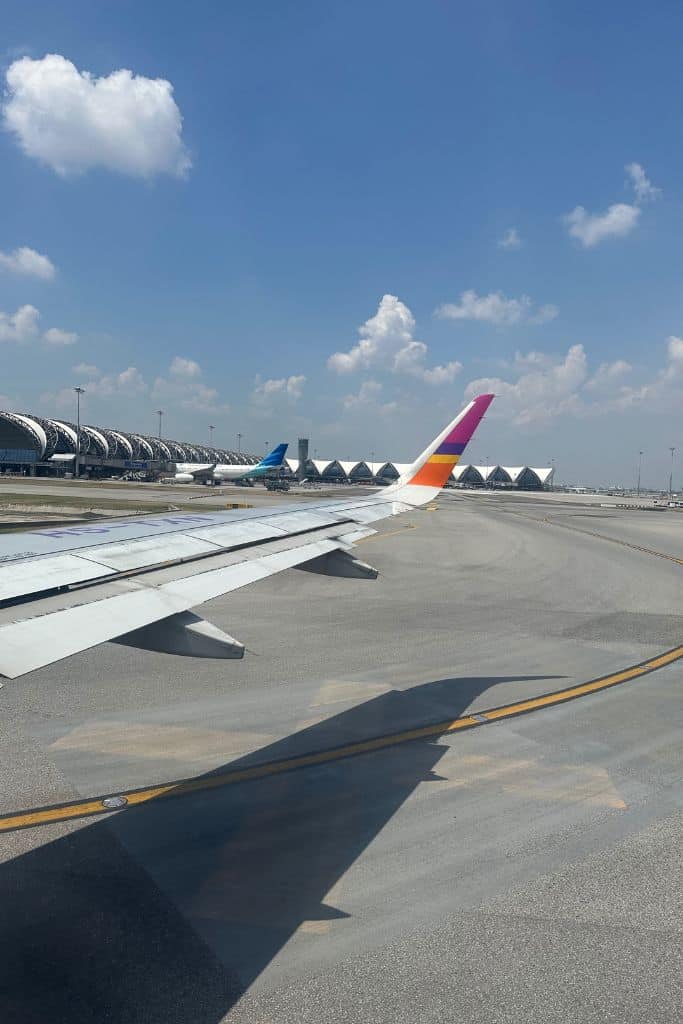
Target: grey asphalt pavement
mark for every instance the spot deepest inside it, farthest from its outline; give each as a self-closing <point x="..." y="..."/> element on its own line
<point x="527" y="870"/>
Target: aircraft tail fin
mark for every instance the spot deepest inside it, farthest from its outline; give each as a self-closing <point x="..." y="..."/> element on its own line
<point x="430" y="471"/>
<point x="274" y="459"/>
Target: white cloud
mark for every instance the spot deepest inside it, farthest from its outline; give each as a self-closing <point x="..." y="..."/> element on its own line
<point x="642" y="186"/>
<point x="368" y="397"/>
<point x="387" y="342"/>
<point x="591" y="228"/>
<point x="510" y="240"/>
<point x="20" y="326"/>
<point x="23" y="326"/>
<point x="548" y="389"/>
<point x="609" y="374"/>
<point x="185" y="386"/>
<point x="548" y="386"/>
<point x="29" y="262"/>
<point x="495" y="308"/>
<point x="181" y="367"/>
<point x="129" y="382"/>
<point x="291" y="386"/>
<point x="56" y="336"/>
<point x="368" y="393"/>
<point x="73" y="121"/>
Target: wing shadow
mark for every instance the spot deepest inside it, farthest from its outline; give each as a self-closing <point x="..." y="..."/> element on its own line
<point x="170" y="910"/>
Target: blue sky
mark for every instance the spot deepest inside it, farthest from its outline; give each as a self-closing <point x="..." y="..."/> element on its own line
<point x="313" y="168"/>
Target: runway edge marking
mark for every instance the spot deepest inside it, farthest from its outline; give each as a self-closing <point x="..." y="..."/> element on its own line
<point x="94" y="806"/>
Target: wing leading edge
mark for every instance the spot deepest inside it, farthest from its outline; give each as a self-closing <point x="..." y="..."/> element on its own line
<point x="64" y="591"/>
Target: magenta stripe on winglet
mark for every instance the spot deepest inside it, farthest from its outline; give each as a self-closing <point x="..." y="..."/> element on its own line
<point x="463" y="430"/>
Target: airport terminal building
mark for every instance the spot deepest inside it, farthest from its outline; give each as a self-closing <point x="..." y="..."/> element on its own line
<point x="42" y="446"/>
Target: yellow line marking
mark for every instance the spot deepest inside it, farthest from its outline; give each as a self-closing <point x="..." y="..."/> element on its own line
<point x="84" y="808"/>
<point x="389" y="533"/>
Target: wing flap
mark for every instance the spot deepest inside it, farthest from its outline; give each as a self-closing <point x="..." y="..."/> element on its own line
<point x="135" y="554"/>
<point x="34" y="642"/>
<point x="19" y="579"/>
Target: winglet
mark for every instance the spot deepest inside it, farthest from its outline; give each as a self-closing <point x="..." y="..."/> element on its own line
<point x="428" y="474"/>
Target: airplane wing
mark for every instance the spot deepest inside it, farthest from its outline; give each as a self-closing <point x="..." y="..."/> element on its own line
<point x="135" y="580"/>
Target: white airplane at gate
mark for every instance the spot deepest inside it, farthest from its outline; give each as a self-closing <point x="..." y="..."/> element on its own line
<point x="189" y="472"/>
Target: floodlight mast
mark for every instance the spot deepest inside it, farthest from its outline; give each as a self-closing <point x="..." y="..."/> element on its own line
<point x="77" y="468"/>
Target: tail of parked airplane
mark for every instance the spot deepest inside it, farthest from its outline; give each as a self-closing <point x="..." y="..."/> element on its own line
<point x="274" y="459"/>
<point x="428" y="474"/>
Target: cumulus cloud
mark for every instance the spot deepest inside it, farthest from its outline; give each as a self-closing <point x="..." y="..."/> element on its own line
<point x="609" y="374"/>
<point x="291" y="387"/>
<point x="23" y="326"/>
<point x="387" y="342"/>
<point x="20" y="326"/>
<point x="368" y="393"/>
<point x="73" y="121"/>
<point x="542" y="391"/>
<point x="510" y="240"/>
<point x="591" y="228"/>
<point x="495" y="308"/>
<point x="185" y="368"/>
<point x="548" y="386"/>
<point x="28" y="262"/>
<point x="185" y="386"/>
<point x="368" y="397"/>
<point x="129" y="382"/>
<point x="56" y="336"/>
<point x="642" y="186"/>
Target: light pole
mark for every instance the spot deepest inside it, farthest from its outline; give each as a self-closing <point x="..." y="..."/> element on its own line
<point x="671" y="474"/>
<point x="211" y="430"/>
<point x="486" y="478"/>
<point x="160" y="413"/>
<point x="239" y="444"/>
<point x="640" y="463"/>
<point x="265" y="447"/>
<point x="79" y="392"/>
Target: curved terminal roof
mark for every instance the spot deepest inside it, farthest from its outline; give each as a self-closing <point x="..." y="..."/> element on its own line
<point x="333" y="469"/>
<point x="25" y="437"/>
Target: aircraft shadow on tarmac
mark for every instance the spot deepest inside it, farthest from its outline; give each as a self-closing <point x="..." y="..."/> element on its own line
<point x="86" y="935"/>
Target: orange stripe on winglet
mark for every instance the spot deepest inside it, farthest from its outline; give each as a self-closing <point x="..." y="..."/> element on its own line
<point x="433" y="474"/>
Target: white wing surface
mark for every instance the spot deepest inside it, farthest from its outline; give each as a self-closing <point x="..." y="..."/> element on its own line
<point x="68" y="589"/>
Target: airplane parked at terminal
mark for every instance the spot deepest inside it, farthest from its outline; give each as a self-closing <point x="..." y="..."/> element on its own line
<point x="188" y="472"/>
<point x="67" y="589"/>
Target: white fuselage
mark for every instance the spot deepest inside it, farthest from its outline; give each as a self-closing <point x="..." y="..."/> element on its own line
<point x="187" y="472"/>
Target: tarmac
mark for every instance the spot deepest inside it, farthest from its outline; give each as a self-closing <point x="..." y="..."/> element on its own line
<point x="527" y="868"/>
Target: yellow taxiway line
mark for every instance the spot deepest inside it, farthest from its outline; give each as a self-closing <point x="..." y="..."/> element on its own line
<point x="130" y="798"/>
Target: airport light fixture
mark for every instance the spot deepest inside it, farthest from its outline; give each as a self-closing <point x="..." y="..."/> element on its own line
<point x="640" y="465"/>
<point x="211" y="430"/>
<point x="160" y="413"/>
<point x="671" y="473"/>
<point x="239" y="443"/>
<point x="79" y="391"/>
